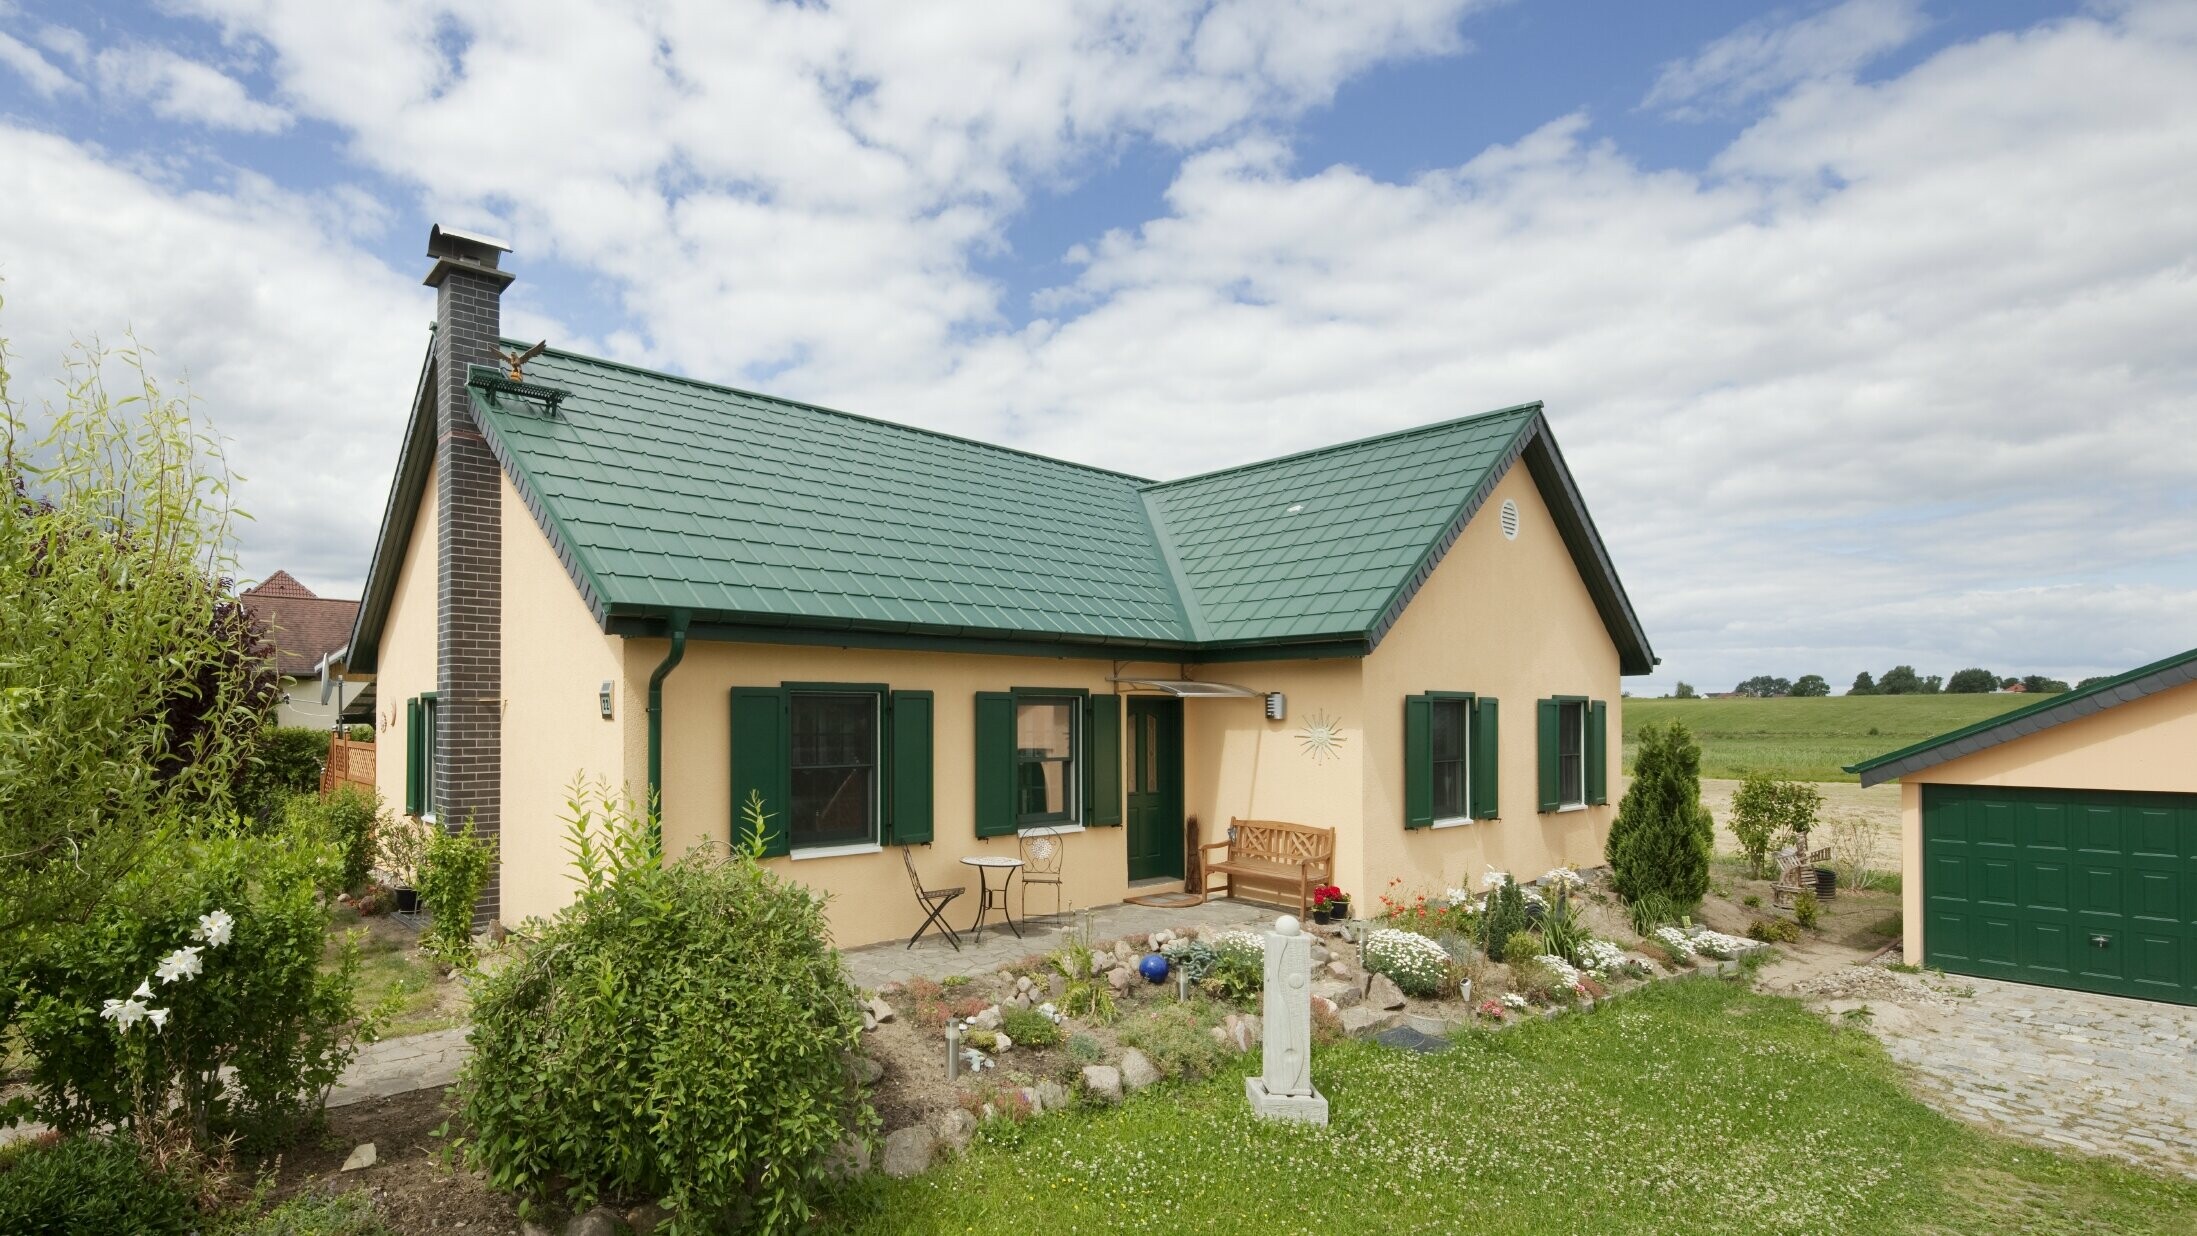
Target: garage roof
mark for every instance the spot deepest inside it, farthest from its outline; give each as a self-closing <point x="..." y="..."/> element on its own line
<point x="2043" y="715"/>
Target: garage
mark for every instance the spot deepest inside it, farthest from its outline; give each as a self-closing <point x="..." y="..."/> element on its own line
<point x="2068" y="888"/>
<point x="2057" y="844"/>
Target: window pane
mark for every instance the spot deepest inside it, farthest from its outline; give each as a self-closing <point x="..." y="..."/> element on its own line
<point x="1045" y="743"/>
<point x="1449" y="730"/>
<point x="1449" y="789"/>
<point x="834" y="766"/>
<point x="1571" y="764"/>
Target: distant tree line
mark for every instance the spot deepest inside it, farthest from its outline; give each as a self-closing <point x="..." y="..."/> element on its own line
<point x="1975" y="680"/>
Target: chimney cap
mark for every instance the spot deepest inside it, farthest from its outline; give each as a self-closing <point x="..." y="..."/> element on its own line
<point x="453" y="242"/>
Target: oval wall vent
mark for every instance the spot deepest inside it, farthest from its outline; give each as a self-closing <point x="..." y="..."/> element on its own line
<point x="1510" y="519"/>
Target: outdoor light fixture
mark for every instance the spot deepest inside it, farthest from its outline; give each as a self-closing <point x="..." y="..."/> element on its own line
<point x="603" y="698"/>
<point x="953" y="1049"/>
<point x="1277" y="706"/>
<point x="1182" y="985"/>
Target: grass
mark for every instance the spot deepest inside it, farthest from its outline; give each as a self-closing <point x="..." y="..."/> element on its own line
<point x="390" y="965"/>
<point x="1810" y="739"/>
<point x="1686" y="1107"/>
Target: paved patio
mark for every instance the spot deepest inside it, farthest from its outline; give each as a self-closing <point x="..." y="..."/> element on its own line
<point x="875" y="965"/>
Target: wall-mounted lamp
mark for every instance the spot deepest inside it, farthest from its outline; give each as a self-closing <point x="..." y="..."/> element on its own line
<point x="1277" y="706"/>
<point x="603" y="697"/>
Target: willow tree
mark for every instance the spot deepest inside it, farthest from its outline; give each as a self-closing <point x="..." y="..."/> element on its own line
<point x="131" y="683"/>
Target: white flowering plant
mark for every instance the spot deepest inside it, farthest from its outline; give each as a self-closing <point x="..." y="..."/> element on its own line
<point x="1720" y="946"/>
<point x="196" y="1001"/>
<point x="1563" y="878"/>
<point x="1601" y="957"/>
<point x="1418" y="965"/>
<point x="1675" y="940"/>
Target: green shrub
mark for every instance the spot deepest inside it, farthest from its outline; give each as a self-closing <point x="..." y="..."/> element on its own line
<point x="1807" y="911"/>
<point x="453" y="871"/>
<point x="1179" y="1041"/>
<point x="308" y="1214"/>
<point x="1086" y="995"/>
<point x="283" y="760"/>
<point x="1521" y="947"/>
<point x="1663" y="836"/>
<point x="1561" y="931"/>
<point x="1504" y="918"/>
<point x="1773" y="931"/>
<point x="1029" y="1028"/>
<point x="1083" y="1049"/>
<point x="1533" y="977"/>
<point x="349" y="819"/>
<point x="90" y="1186"/>
<point x="260" y="1007"/>
<point x="677" y="1033"/>
<point x="1237" y="972"/>
<point x="1752" y="901"/>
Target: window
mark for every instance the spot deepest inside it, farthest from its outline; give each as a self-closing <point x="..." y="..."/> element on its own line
<point x="419" y="756"/>
<point x="1451" y="718"/>
<point x="1571" y="753"/>
<point x="834" y="765"/>
<point x="1045" y="761"/>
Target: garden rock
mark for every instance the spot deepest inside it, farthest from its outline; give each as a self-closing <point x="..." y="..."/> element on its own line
<point x="362" y="1156"/>
<point x="1339" y="969"/>
<point x="1321" y="1004"/>
<point x="869" y="1021"/>
<point x="908" y="1151"/>
<point x="1102" y="1082"/>
<point x="987" y="1019"/>
<point x="648" y="1216"/>
<point x="882" y="1011"/>
<point x="1341" y="994"/>
<point x="1137" y="1071"/>
<point x="1033" y="1100"/>
<point x="601" y="1221"/>
<point x="955" y="1128"/>
<point x="1319" y="953"/>
<point x="848" y="1159"/>
<point x="866" y="1070"/>
<point x="1052" y="1096"/>
<point x="1243" y="1030"/>
<point x="1382" y="992"/>
<point x="1365" y="1019"/>
<point x="1056" y="986"/>
<point x="1120" y="980"/>
<point x="1000" y="1042"/>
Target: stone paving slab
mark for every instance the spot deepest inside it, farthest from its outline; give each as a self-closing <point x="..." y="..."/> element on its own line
<point x="874" y="965"/>
<point x="2102" y="1075"/>
<point x="401" y="1065"/>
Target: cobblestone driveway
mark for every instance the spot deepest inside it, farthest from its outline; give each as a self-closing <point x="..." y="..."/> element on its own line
<point x="2069" y="1070"/>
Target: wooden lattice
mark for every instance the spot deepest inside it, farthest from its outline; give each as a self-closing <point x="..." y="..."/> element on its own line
<point x="348" y="763"/>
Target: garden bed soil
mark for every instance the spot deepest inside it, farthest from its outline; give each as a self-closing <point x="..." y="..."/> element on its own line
<point x="412" y="1187"/>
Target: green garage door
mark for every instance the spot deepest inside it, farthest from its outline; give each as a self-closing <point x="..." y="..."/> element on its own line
<point x="2069" y="888"/>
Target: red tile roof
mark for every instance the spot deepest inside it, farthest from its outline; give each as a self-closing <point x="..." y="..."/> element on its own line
<point x="303" y="627"/>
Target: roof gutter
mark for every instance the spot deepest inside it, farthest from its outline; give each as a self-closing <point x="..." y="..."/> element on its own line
<point x="678" y="622"/>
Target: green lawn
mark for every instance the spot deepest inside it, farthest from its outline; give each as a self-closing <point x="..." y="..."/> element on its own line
<point x="1691" y="1106"/>
<point x="1810" y="739"/>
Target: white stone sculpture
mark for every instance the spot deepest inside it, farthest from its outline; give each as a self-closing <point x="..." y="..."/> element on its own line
<point x="1284" y="1089"/>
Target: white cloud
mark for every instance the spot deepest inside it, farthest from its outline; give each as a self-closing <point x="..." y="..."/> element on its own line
<point x="1901" y="377"/>
<point x="179" y="88"/>
<point x="1769" y="55"/>
<point x="37" y="72"/>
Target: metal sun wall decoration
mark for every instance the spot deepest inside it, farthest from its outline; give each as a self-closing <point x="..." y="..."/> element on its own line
<point x="1322" y="737"/>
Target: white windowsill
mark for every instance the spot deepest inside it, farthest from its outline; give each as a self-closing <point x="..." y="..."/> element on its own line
<point x="1571" y="807"/>
<point x="1455" y="823"/>
<point x="1057" y="830"/>
<point x="837" y="851"/>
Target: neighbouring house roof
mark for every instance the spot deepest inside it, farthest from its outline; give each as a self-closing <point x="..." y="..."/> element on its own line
<point x="2055" y="709"/>
<point x="760" y="517"/>
<point x="303" y="627"/>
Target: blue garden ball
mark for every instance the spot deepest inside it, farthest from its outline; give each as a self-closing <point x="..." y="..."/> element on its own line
<point x="1153" y="968"/>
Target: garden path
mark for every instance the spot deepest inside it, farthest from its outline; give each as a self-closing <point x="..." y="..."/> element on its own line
<point x="875" y="965"/>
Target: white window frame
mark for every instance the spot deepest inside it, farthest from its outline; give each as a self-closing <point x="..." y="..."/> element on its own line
<point x="1465" y="705"/>
<point x="874" y="843"/>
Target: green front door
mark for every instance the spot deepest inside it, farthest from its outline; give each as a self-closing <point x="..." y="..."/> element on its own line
<point x="1155" y="787"/>
<point x="2070" y="888"/>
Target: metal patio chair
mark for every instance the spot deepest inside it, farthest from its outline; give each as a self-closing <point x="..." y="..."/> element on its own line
<point x="1042" y="851"/>
<point x="933" y="902"/>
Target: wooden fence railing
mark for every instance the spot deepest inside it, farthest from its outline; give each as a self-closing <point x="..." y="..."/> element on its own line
<point x="349" y="763"/>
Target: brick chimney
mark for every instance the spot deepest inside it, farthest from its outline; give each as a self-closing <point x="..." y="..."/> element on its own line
<point x="469" y="549"/>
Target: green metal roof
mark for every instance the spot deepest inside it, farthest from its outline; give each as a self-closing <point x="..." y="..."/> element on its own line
<point x="2050" y="710"/>
<point x="753" y="513"/>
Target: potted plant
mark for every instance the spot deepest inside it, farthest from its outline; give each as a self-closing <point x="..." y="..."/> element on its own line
<point x="1329" y="904"/>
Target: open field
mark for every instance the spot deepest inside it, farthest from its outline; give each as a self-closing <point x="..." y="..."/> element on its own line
<point x="1809" y="739"/>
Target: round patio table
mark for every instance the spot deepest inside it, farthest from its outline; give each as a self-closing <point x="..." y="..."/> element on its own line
<point x="989" y="898"/>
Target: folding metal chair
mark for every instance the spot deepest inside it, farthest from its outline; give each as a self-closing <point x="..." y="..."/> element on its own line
<point x="933" y="901"/>
<point x="1042" y="851"/>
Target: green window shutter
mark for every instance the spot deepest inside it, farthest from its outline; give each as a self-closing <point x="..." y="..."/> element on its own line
<point x="759" y="764"/>
<point x="995" y="764"/>
<point x="1102" y="759"/>
<point x="911" y="768"/>
<point x="1549" y="715"/>
<point x="1486" y="802"/>
<point x="415" y="764"/>
<point x="1598" y="752"/>
<point x="1418" y="761"/>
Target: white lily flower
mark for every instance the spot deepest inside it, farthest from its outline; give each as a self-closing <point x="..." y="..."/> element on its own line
<point x="216" y="927"/>
<point x="110" y="1009"/>
<point x="144" y="990"/>
<point x="182" y="963"/>
<point x="124" y="1013"/>
<point x="159" y="1017"/>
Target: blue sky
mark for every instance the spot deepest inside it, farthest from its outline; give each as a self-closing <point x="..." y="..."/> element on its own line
<point x="1830" y="302"/>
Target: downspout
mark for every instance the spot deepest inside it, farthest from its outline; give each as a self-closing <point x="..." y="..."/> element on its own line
<point x="678" y="621"/>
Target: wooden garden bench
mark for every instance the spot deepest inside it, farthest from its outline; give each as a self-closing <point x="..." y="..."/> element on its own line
<point x="1796" y="876"/>
<point x="1270" y="851"/>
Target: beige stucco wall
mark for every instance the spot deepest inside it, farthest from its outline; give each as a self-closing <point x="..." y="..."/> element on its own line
<point x="1502" y="618"/>
<point x="870" y="897"/>
<point x="2145" y="745"/>
<point x="406" y="665"/>
<point x="555" y="659"/>
<point x="1237" y="764"/>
